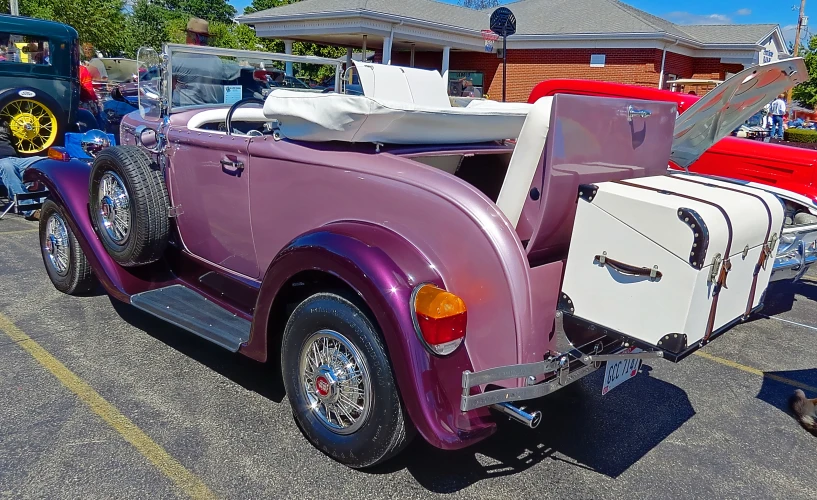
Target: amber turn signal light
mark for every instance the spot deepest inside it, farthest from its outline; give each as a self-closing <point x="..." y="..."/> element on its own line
<point x="58" y="154"/>
<point x="440" y="319"/>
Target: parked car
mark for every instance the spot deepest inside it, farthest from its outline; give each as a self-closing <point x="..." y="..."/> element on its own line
<point x="39" y="75"/>
<point x="786" y="171"/>
<point x="401" y="260"/>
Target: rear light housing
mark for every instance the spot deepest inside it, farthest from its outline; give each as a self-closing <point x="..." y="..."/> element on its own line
<point x="440" y="319"/>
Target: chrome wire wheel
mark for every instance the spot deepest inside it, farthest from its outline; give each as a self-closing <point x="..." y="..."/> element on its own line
<point x="56" y="245"/>
<point x="114" y="207"/>
<point x="336" y="381"/>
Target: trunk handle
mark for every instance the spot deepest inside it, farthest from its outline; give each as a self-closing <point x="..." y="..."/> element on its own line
<point x="652" y="272"/>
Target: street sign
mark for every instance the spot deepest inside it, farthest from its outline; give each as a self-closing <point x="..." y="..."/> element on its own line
<point x="503" y="22"/>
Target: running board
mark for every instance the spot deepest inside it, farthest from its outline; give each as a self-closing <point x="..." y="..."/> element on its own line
<point x="187" y="309"/>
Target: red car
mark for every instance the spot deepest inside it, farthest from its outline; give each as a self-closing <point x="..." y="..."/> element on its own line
<point x="784" y="170"/>
<point x="784" y="167"/>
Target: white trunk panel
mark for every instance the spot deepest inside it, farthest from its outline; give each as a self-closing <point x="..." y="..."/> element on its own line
<point x="641" y="228"/>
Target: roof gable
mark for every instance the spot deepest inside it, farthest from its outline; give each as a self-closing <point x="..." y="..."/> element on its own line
<point x="537" y="17"/>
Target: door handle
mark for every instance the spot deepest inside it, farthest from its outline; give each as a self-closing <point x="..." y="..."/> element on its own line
<point x="233" y="166"/>
<point x="631" y="112"/>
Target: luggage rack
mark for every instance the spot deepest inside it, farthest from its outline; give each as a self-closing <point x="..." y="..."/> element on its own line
<point x="562" y="370"/>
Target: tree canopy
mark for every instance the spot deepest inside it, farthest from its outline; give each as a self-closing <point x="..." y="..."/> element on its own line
<point x="806" y="92"/>
<point x="120" y="27"/>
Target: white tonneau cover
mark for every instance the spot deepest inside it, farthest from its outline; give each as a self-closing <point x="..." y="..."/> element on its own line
<point x="400" y="106"/>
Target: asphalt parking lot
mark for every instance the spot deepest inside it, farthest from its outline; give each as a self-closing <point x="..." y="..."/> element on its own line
<point x="98" y="400"/>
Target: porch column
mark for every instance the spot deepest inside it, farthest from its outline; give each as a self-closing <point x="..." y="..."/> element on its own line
<point x="288" y="50"/>
<point x="348" y="57"/>
<point x="364" y="59"/>
<point x="446" y="59"/>
<point x="387" y="49"/>
<point x="411" y="63"/>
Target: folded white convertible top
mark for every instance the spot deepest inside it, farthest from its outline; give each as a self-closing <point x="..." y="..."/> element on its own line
<point x="400" y="106"/>
<point x="351" y="118"/>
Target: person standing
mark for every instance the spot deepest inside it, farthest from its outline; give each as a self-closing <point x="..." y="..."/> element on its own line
<point x="777" y="111"/>
<point x="197" y="78"/>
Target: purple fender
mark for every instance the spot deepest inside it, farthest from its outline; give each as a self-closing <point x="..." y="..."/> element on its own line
<point x="383" y="268"/>
<point x="67" y="184"/>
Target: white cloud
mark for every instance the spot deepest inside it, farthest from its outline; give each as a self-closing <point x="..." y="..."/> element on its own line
<point x="744" y="12"/>
<point x="680" y="17"/>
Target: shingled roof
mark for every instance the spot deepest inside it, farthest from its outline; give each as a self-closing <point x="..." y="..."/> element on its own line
<point x="536" y="17"/>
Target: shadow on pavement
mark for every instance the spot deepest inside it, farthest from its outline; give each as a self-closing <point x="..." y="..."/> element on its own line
<point x="781" y="295"/>
<point x="777" y="393"/>
<point x="250" y="374"/>
<point x="602" y="434"/>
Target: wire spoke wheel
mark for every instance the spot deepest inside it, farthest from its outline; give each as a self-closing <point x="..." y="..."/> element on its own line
<point x="33" y="126"/>
<point x="114" y="207"/>
<point x="57" y="247"/>
<point x="336" y="381"/>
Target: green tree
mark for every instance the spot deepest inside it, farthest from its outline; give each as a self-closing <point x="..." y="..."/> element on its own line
<point x="98" y="22"/>
<point x="806" y="92"/>
<point x="259" y="5"/>
<point x="212" y="10"/>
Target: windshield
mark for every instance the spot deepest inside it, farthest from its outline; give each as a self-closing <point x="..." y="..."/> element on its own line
<point x="206" y="76"/>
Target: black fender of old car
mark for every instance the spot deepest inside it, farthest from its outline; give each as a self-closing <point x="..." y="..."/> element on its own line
<point x="382" y="269"/>
<point x="67" y="185"/>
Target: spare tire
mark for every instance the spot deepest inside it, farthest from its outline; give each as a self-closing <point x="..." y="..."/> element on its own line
<point x="129" y="205"/>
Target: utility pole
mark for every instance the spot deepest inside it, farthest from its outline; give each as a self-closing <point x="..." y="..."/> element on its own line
<point x="13" y="8"/>
<point x="800" y="20"/>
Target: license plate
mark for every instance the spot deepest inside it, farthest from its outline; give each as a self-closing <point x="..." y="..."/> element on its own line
<point x="618" y="372"/>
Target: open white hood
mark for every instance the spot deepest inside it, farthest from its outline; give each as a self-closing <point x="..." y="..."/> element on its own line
<point x="730" y="104"/>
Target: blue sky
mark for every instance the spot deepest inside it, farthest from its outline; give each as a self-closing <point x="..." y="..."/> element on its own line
<point x="703" y="12"/>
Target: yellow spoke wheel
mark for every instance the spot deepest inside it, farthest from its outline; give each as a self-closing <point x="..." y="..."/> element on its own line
<point x="33" y="126"/>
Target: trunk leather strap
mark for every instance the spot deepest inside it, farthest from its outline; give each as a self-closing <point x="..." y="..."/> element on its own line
<point x="726" y="265"/>
<point x="766" y="250"/>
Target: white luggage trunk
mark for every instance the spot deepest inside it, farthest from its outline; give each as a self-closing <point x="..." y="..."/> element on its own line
<point x="670" y="260"/>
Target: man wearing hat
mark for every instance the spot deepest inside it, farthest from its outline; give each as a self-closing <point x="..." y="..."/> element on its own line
<point x="197" y="78"/>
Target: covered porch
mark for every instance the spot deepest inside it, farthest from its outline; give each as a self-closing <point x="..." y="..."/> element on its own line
<point x="383" y="41"/>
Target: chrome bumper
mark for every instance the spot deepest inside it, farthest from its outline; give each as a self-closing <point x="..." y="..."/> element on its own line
<point x="796" y="253"/>
<point x="563" y="370"/>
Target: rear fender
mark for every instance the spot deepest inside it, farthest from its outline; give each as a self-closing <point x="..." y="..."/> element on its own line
<point x="383" y="269"/>
<point x="67" y="184"/>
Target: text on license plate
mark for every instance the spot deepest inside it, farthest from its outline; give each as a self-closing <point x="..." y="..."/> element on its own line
<point x="617" y="372"/>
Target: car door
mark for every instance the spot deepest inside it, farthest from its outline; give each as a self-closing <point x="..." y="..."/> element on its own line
<point x="209" y="186"/>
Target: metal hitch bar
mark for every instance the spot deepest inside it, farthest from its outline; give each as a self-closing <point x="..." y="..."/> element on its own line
<point x="558" y="365"/>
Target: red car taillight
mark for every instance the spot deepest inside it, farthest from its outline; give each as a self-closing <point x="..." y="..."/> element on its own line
<point x="440" y="317"/>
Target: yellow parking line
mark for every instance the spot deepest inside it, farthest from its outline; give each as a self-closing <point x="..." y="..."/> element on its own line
<point x="169" y="466"/>
<point x="755" y="371"/>
<point x="20" y="231"/>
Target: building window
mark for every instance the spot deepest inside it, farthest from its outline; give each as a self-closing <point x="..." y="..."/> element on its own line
<point x="597" y="60"/>
<point x="465" y="83"/>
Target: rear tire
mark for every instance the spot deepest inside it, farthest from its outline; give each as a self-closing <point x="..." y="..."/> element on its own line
<point x="64" y="260"/>
<point x="339" y="381"/>
<point x="129" y="205"/>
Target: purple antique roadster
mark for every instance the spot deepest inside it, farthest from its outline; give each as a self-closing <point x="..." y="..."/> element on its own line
<point x="400" y="256"/>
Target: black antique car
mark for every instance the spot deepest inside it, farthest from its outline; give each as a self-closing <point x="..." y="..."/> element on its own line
<point x="39" y="78"/>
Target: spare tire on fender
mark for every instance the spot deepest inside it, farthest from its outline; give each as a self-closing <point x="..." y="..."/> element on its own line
<point x="129" y="205"/>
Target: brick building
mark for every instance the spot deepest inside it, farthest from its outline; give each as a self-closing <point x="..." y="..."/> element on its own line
<point x="590" y="39"/>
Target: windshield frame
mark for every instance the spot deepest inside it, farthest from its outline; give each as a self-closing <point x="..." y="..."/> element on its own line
<point x="171" y="48"/>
